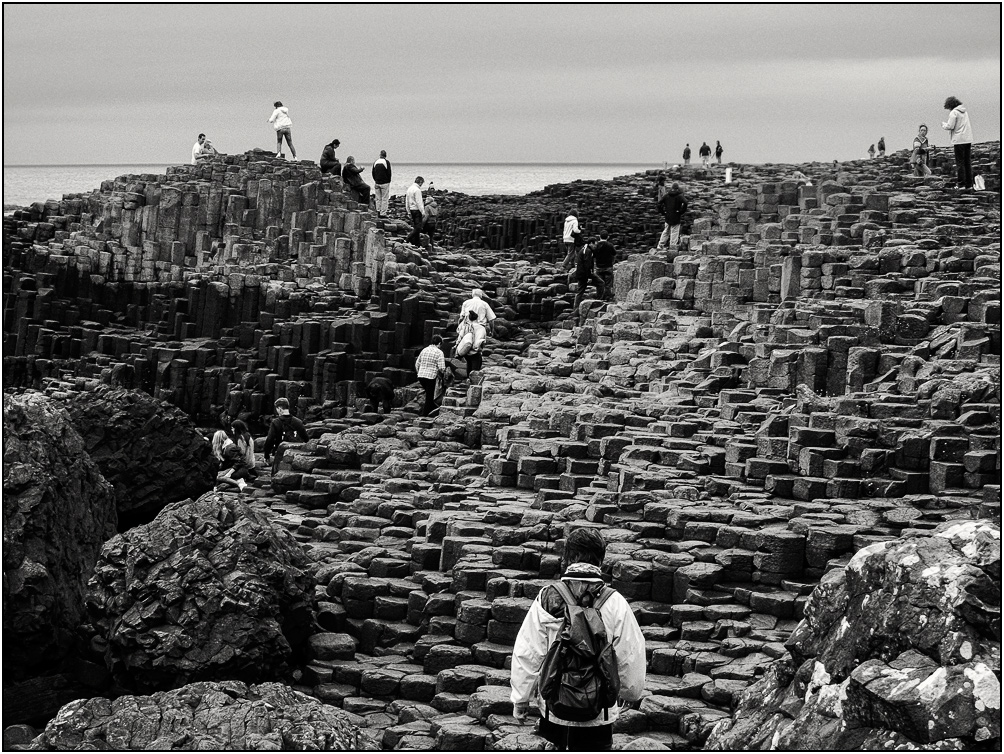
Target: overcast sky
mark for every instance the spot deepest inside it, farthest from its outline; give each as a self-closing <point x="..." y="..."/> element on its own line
<point x="493" y="83"/>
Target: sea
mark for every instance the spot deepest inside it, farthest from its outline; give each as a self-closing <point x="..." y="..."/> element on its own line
<point x="24" y="184"/>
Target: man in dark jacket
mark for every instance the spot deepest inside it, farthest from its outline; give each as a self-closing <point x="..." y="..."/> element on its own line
<point x="284" y="429"/>
<point x="329" y="163"/>
<point x="686" y="155"/>
<point x="582" y="256"/>
<point x="381" y="182"/>
<point x="603" y="255"/>
<point x="351" y="174"/>
<point x="674" y="206"/>
<point x="705" y="153"/>
<point x="380" y="392"/>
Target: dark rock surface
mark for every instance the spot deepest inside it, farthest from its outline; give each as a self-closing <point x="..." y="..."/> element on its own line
<point x="149" y="451"/>
<point x="901" y="645"/>
<point x="209" y="589"/>
<point x="226" y="715"/>
<point x="58" y="510"/>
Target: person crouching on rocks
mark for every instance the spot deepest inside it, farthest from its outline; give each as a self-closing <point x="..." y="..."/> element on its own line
<point x="380" y="393"/>
<point x="674" y="206"/>
<point x="430" y="366"/>
<point x="233" y="469"/>
<point x="283" y="429"/>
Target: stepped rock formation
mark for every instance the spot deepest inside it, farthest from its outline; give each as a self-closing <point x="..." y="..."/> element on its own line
<point x="57" y="512"/>
<point x="899" y="649"/>
<point x="226" y="715"/>
<point x="150" y="452"/>
<point x="210" y="589"/>
<point x="815" y="373"/>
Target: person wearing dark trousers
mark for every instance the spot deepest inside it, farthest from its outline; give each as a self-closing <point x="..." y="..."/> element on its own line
<point x="351" y="176"/>
<point x="961" y="130"/>
<point x="718" y="152"/>
<point x="582" y="257"/>
<point x="283" y="430"/>
<point x="429" y="365"/>
<point x="414" y="205"/>
<point x="380" y="393"/>
<point x="480" y="334"/>
<point x="329" y="161"/>
<point x="604" y="254"/>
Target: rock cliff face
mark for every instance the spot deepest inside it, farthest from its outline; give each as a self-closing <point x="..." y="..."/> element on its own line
<point x="57" y="512"/>
<point x="203" y="716"/>
<point x="149" y="451"/>
<point x="899" y="650"/>
<point x="209" y="589"/>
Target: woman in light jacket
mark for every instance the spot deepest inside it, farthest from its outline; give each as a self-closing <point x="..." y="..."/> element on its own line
<point x="283" y="125"/>
<point x="962" y="139"/>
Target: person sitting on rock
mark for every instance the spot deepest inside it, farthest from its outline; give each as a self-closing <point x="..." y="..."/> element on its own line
<point x="351" y="176"/>
<point x="233" y="470"/>
<point x="329" y="162"/>
<point x="380" y="393"/>
<point x="583" y="275"/>
<point x="283" y="430"/>
<point x="202" y="149"/>
<point x="581" y="582"/>
<point x="476" y="303"/>
<point x="430" y="366"/>
<point x="241" y="436"/>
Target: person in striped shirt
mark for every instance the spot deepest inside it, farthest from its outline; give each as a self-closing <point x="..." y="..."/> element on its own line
<point x="430" y="364"/>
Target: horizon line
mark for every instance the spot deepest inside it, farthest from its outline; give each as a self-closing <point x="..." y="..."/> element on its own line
<point x="171" y="164"/>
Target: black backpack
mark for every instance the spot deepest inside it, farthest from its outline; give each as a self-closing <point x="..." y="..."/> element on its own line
<point x="288" y="429"/>
<point x="578" y="678"/>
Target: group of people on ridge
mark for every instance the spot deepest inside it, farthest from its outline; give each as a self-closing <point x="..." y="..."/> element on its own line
<point x="705" y="153"/>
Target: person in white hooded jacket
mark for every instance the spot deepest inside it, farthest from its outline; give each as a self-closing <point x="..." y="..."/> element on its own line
<point x="583" y="554"/>
<point x="283" y="125"/>
<point x="962" y="139"/>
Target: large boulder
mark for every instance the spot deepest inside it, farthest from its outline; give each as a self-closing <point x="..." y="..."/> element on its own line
<point x="57" y="512"/>
<point x="210" y="589"/>
<point x="228" y="715"/>
<point x="149" y="450"/>
<point x="901" y="649"/>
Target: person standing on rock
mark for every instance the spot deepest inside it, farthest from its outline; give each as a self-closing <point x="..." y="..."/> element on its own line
<point x="480" y="335"/>
<point x="921" y="153"/>
<point x="660" y="189"/>
<point x="476" y="303"/>
<point x="430" y="366"/>
<point x="283" y="430"/>
<point x="381" y="173"/>
<point x="580" y="591"/>
<point x="430" y="217"/>
<point x="962" y="139"/>
<point x="352" y="177"/>
<point x="283" y="127"/>
<point x="881" y="146"/>
<point x="604" y="254"/>
<point x="584" y="274"/>
<point x="705" y="153"/>
<point x="329" y="162"/>
<point x="686" y="155"/>
<point x="871" y="152"/>
<point x="674" y="206"/>
<point x="202" y="149"/>
<point x="380" y="393"/>
<point x="570" y="232"/>
<point x="718" y="152"/>
<point x="414" y="205"/>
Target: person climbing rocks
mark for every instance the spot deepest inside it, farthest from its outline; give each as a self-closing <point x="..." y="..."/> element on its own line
<point x="414" y="205"/>
<point x="479" y="335"/>
<point x="380" y="393"/>
<point x="283" y="430"/>
<point x="705" y="153"/>
<point x="476" y="303"/>
<point x="718" y="152"/>
<point x="381" y="173"/>
<point x="881" y="146"/>
<point x="584" y="274"/>
<point x="430" y="366"/>
<point x="686" y="155"/>
<point x="871" y="152"/>
<point x="430" y="216"/>
<point x="961" y="130"/>
<point x="570" y="231"/>
<point x="604" y="254"/>
<point x="202" y="149"/>
<point x="674" y="206"/>
<point x="352" y="177"/>
<point x="921" y="153"/>
<point x="283" y="128"/>
<point x="329" y="161"/>
<point x="233" y="471"/>
<point x="532" y="678"/>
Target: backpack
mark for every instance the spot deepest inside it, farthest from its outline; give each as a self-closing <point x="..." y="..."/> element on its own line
<point x="578" y="678"/>
<point x="288" y="430"/>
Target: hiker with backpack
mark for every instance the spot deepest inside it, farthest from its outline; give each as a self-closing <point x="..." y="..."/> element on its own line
<point x="579" y="655"/>
<point x="283" y="430"/>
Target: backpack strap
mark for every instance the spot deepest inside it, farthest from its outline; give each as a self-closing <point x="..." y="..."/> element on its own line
<point x="605" y="593"/>
<point x="566" y="593"/>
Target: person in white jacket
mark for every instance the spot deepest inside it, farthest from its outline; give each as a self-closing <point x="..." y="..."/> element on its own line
<point x="571" y="231"/>
<point x="282" y="124"/>
<point x="583" y="554"/>
<point x="416" y="208"/>
<point x="476" y="303"/>
<point x="962" y="139"/>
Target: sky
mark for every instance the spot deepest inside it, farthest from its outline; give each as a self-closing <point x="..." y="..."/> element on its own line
<point x="604" y="82"/>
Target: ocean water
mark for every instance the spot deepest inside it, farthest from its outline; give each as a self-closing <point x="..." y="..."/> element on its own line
<point x="24" y="184"/>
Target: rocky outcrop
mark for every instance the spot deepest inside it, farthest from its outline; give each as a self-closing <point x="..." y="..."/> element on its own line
<point x="901" y="649"/>
<point x="57" y="512"/>
<point x="149" y="451"/>
<point x="209" y="589"/>
<point x="228" y="715"/>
